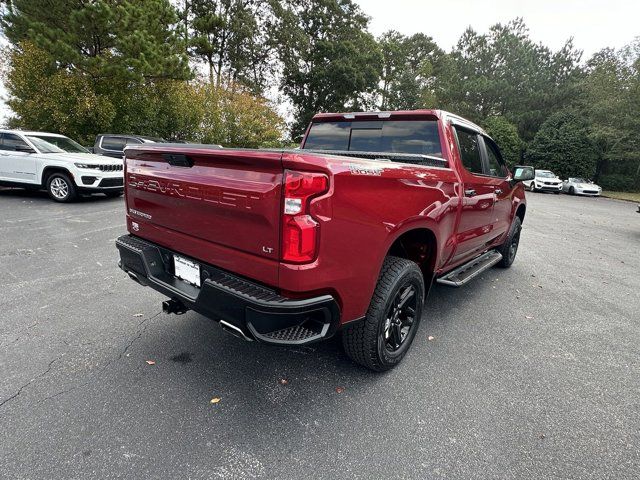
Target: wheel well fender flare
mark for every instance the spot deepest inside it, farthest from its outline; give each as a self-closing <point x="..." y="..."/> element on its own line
<point x="50" y="170"/>
<point x="418" y="232"/>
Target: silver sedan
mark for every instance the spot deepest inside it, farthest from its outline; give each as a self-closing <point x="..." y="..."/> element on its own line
<point x="580" y="186"/>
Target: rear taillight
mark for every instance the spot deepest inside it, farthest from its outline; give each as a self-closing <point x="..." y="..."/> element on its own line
<point x="300" y="231"/>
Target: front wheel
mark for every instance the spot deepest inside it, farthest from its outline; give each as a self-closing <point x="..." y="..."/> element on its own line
<point x="61" y="188"/>
<point x="532" y="187"/>
<point x="572" y="191"/>
<point x="382" y="339"/>
<point x="510" y="247"/>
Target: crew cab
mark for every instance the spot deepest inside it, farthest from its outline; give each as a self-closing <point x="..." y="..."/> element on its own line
<point x="544" y="181"/>
<point x="42" y="160"/>
<point x="346" y="234"/>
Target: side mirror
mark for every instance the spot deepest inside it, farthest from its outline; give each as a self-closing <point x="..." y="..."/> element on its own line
<point x="523" y="174"/>
<point x="24" y="148"/>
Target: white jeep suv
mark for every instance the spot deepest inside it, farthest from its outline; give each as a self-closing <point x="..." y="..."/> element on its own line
<point x="56" y="163"/>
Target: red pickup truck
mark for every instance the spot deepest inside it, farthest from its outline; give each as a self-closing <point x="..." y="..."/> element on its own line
<point x="345" y="234"/>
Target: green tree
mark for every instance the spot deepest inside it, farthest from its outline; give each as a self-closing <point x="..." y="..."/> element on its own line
<point x="409" y="71"/>
<point x="506" y="73"/>
<point x="84" y="67"/>
<point x="113" y="40"/>
<point x="563" y="145"/>
<point x="233" y="117"/>
<point x="329" y="60"/>
<point x="44" y="97"/>
<point x="505" y="134"/>
<point x="610" y="102"/>
<point x="233" y="37"/>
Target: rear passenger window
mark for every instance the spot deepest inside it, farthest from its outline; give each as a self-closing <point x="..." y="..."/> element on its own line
<point x="470" y="151"/>
<point x="113" y="143"/>
<point x="11" y="141"/>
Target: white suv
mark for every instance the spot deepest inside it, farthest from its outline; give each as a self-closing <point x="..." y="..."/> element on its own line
<point x="545" y="181"/>
<point x="58" y="164"/>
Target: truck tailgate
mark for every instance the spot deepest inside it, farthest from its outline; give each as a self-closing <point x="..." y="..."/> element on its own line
<point x="208" y="199"/>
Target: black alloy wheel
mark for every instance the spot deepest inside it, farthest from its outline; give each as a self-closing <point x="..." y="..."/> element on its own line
<point x="400" y="318"/>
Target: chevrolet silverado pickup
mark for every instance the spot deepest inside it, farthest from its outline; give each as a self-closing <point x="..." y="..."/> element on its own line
<point x="345" y="234"/>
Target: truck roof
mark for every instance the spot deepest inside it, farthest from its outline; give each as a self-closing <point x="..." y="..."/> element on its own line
<point x="400" y="114"/>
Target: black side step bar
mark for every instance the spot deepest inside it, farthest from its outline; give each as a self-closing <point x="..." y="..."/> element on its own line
<point x="465" y="273"/>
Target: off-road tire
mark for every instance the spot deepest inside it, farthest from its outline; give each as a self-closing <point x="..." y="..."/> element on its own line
<point x="54" y="182"/>
<point x="363" y="341"/>
<point x="508" y="255"/>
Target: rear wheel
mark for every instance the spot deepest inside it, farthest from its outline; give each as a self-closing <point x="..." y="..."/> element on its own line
<point x="382" y="339"/>
<point x="61" y="188"/>
<point x="572" y="191"/>
<point x="510" y="247"/>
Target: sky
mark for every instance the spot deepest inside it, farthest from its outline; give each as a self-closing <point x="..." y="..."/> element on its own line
<point x="593" y="24"/>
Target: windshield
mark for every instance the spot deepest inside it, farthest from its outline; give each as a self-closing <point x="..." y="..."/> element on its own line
<point x="44" y="146"/>
<point x="386" y="136"/>
<point x="579" y="180"/>
<point x="63" y="143"/>
<point x="545" y="174"/>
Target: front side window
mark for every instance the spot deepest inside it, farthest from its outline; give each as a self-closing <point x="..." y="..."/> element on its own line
<point x="470" y="151"/>
<point x="497" y="167"/>
<point x="12" y="142"/>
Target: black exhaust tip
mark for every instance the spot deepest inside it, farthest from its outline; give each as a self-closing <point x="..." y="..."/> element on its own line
<point x="174" y="306"/>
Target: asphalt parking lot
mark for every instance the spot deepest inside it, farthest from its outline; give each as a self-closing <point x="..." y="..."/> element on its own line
<point x="532" y="372"/>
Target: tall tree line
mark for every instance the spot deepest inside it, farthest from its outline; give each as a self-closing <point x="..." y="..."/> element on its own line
<point x="149" y="66"/>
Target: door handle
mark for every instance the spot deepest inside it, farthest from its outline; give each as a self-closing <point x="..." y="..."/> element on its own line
<point x="498" y="191"/>
<point x="470" y="193"/>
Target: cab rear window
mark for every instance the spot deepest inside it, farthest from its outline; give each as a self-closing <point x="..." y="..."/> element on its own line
<point x="418" y="137"/>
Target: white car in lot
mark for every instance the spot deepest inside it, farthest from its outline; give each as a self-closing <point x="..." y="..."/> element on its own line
<point x="40" y="160"/>
<point x="580" y="186"/>
<point x="545" y="181"/>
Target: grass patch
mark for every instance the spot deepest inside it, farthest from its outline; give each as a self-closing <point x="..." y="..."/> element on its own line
<point x="631" y="197"/>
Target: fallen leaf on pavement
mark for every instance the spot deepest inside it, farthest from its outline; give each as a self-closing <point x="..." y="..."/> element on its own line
<point x="430" y="337"/>
<point x="339" y="389"/>
<point x="137" y="314"/>
<point x="284" y="381"/>
<point x="151" y="362"/>
<point x="528" y="317"/>
<point x="215" y="400"/>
